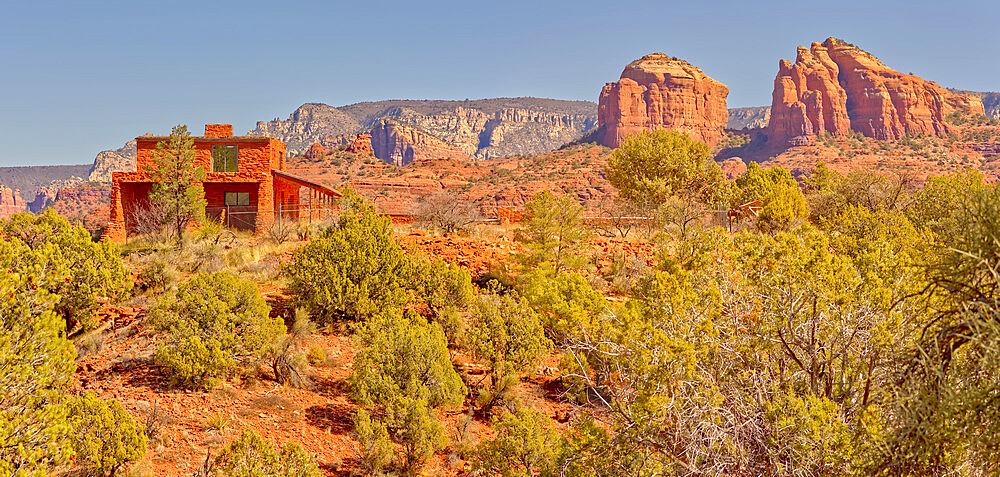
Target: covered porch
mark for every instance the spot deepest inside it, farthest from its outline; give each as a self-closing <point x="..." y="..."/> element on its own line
<point x="298" y="199"/>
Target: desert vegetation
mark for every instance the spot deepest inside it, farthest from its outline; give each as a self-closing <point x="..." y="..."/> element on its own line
<point x="847" y="327"/>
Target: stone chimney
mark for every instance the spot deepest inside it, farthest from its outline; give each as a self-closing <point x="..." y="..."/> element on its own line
<point x="218" y="130"/>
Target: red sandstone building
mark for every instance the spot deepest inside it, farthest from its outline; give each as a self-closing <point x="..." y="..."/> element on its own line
<point x="244" y="184"/>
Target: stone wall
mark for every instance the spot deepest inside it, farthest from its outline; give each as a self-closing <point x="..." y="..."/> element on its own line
<point x="256" y="158"/>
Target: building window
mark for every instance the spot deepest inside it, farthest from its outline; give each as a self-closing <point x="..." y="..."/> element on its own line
<point x="237" y="198"/>
<point x="224" y="158"/>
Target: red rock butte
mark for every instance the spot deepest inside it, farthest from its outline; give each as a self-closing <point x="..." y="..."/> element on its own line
<point x="835" y="87"/>
<point x="661" y="92"/>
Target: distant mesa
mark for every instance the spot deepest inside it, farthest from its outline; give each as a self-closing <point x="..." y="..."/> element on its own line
<point x="472" y="129"/>
<point x="835" y="87"/>
<point x="658" y="91"/>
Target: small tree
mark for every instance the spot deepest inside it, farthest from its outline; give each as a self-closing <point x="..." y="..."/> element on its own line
<point x="104" y="436"/>
<point x="553" y="234"/>
<point x="215" y="323"/>
<point x="508" y="336"/>
<point x="177" y="181"/>
<point x="784" y="202"/>
<point x="64" y="259"/>
<point x="354" y="270"/>
<point x="376" y="449"/>
<point x="441" y="285"/>
<point x="525" y="444"/>
<point x="447" y="211"/>
<point x="251" y="456"/>
<point x="654" y="166"/>
<point x="403" y="372"/>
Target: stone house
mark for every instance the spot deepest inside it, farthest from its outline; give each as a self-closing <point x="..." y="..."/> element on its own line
<point x="245" y="183"/>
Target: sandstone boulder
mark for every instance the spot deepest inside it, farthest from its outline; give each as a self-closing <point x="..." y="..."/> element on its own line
<point x="316" y="151"/>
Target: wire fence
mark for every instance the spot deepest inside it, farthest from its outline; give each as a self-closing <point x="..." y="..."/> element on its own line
<point x="151" y="220"/>
<point x="145" y="221"/>
<point x="249" y="217"/>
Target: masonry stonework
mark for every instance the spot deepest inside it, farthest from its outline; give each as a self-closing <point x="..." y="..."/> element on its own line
<point x="257" y="160"/>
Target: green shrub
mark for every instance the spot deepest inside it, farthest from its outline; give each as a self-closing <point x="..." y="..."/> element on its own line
<point x="441" y="285"/>
<point x="420" y="434"/>
<point x="105" y="437"/>
<point x="552" y="233"/>
<point x="784" y="203"/>
<point x="454" y="327"/>
<point x="252" y="456"/>
<point x="353" y="270"/>
<point x="289" y="362"/>
<point x="70" y="264"/>
<point x="508" y="336"/>
<point x="376" y="449"/>
<point x="158" y="275"/>
<point x="215" y="323"/>
<point x="36" y="367"/>
<point x="403" y="358"/>
<point x="566" y="303"/>
<point x="401" y="374"/>
<point x="525" y="445"/>
<point x="316" y="355"/>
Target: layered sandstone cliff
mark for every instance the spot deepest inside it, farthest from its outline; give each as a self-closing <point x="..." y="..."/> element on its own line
<point x="755" y="117"/>
<point x="309" y="124"/>
<point x="361" y="145"/>
<point x="835" y="87"/>
<point x="991" y="101"/>
<point x="401" y="144"/>
<point x="117" y="160"/>
<point x="661" y="92"/>
<point x="11" y="202"/>
<point x="482" y="129"/>
<point x="808" y="98"/>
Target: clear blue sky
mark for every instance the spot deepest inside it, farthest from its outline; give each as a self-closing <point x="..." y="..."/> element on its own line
<point x="79" y="77"/>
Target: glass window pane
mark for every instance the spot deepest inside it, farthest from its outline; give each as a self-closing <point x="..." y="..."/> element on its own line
<point x="231" y="198"/>
<point x="224" y="158"/>
<point x="243" y="198"/>
<point x="231" y="159"/>
<point x="218" y="159"/>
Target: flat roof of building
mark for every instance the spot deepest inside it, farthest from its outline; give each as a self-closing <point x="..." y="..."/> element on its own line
<point x="211" y="139"/>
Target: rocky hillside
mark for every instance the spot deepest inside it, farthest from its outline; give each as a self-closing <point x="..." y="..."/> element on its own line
<point x="748" y="118"/>
<point x="481" y="129"/>
<point x="29" y="188"/>
<point x="991" y="101"/>
<point x="835" y="87"/>
<point x="662" y="92"/>
<point x="29" y="179"/>
<point x="106" y="162"/>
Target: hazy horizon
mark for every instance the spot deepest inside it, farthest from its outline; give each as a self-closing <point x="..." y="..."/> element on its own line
<point x="79" y="79"/>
